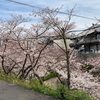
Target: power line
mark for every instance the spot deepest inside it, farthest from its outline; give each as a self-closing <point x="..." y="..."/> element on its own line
<point x="79" y="16"/>
<point x="25" y="4"/>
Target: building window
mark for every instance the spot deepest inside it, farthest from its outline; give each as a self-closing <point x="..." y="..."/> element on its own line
<point x="98" y="36"/>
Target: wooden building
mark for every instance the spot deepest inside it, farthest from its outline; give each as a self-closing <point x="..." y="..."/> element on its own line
<point x="88" y="41"/>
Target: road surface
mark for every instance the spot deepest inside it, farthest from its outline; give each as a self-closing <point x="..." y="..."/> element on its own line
<point x="13" y="92"/>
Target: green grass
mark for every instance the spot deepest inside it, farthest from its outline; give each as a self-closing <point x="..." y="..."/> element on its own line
<point x="49" y="76"/>
<point x="61" y="92"/>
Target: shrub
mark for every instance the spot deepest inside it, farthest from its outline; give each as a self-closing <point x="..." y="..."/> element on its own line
<point x="49" y="76"/>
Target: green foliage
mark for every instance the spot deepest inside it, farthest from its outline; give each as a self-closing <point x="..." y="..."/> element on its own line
<point x="49" y="76"/>
<point x="36" y="86"/>
<point x="66" y="94"/>
<point x="60" y="92"/>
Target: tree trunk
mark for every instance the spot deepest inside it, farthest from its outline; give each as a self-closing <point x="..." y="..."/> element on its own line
<point x="67" y="59"/>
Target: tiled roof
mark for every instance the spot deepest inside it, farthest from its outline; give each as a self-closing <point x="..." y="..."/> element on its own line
<point x="90" y="30"/>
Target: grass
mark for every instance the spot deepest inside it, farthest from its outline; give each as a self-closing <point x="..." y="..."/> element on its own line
<point x="61" y="92"/>
<point x="49" y="76"/>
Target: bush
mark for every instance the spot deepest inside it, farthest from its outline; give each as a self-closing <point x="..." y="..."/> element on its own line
<point x="49" y="76"/>
<point x="66" y="94"/>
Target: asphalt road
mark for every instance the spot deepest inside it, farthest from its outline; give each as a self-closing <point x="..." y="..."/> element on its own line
<point x="13" y="92"/>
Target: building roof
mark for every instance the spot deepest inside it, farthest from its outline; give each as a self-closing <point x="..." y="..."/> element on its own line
<point x="90" y="30"/>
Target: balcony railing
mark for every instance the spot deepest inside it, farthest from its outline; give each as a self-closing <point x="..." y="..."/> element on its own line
<point x="84" y="42"/>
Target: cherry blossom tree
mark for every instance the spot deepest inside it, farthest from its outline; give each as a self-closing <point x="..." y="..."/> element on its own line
<point x="21" y="48"/>
<point x="50" y="18"/>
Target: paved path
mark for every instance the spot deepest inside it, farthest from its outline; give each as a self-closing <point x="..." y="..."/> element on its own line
<point x="13" y="92"/>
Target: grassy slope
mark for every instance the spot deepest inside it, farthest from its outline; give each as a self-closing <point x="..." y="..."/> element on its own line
<point x="61" y="92"/>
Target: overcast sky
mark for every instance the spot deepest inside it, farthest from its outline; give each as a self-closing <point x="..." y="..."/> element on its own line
<point x="88" y="8"/>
